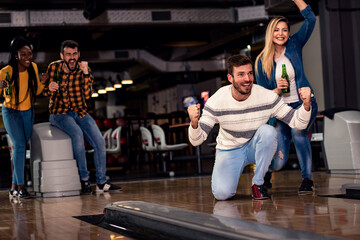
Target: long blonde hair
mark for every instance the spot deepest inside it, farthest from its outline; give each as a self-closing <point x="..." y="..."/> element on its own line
<point x="267" y="54"/>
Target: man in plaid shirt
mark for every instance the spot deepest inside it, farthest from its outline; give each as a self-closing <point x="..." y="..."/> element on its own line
<point x="69" y="85"/>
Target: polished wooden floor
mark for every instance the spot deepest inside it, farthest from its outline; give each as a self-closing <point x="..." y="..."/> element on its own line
<point x="52" y="218"/>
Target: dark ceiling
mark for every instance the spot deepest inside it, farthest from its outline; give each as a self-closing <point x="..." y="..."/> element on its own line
<point x="168" y="41"/>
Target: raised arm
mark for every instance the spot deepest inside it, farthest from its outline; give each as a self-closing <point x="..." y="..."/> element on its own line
<point x="194" y="114"/>
<point x="200" y="127"/>
<point x="304" y="33"/>
<point x="88" y="79"/>
<point x="295" y="118"/>
<point x="300" y="4"/>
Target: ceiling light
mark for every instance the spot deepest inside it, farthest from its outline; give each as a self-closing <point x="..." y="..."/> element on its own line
<point x="109" y="87"/>
<point x="117" y="83"/>
<point x="101" y="91"/>
<point x="126" y="79"/>
<point x="124" y="82"/>
<point x="95" y="94"/>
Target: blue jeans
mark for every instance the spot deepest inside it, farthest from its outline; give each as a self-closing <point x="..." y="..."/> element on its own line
<point x="229" y="164"/>
<point x="301" y="142"/>
<point x="77" y="128"/>
<point x="18" y="125"/>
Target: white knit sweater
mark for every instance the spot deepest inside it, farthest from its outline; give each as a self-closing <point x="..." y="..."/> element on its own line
<point x="239" y="120"/>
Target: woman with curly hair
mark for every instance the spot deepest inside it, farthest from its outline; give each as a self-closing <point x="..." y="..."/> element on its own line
<point x="21" y="84"/>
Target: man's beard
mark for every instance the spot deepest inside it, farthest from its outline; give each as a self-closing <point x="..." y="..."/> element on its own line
<point x="67" y="65"/>
<point x="238" y="89"/>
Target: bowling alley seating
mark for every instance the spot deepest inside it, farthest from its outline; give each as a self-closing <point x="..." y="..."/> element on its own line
<point x="148" y="145"/>
<point x="107" y="137"/>
<point x="160" y="144"/>
<point x="114" y="143"/>
<point x="147" y="140"/>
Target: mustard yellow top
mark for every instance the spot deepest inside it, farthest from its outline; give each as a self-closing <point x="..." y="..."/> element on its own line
<point x="25" y="104"/>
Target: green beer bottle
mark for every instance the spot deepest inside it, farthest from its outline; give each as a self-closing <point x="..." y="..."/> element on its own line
<point x="8" y="89"/>
<point x="285" y="76"/>
<point x="58" y="81"/>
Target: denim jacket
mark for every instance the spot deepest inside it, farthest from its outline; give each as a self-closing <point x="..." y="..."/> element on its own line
<point x="294" y="53"/>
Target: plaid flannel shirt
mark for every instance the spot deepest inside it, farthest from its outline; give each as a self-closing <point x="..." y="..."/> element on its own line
<point x="75" y="88"/>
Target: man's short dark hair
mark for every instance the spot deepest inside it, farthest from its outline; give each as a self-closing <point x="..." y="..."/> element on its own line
<point x="236" y="61"/>
<point x="69" y="44"/>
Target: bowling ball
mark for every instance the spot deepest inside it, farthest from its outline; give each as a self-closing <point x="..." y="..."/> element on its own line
<point x="120" y="122"/>
<point x="110" y="160"/>
<point x="123" y="159"/>
<point x="123" y="140"/>
<point x="108" y="123"/>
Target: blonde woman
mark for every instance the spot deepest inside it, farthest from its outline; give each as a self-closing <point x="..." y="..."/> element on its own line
<point x="281" y="48"/>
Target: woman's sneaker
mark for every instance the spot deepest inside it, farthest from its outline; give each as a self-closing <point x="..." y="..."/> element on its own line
<point x="85" y="187"/>
<point x="23" y="193"/>
<point x="13" y="193"/>
<point x="106" y="187"/>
